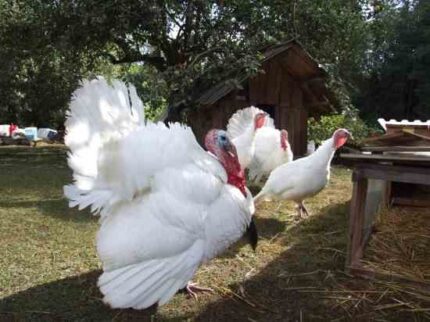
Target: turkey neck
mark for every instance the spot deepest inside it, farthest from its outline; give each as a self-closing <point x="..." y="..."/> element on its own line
<point x="324" y="154"/>
<point x="235" y="175"/>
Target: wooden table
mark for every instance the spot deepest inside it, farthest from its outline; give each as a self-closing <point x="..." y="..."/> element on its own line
<point x="406" y="169"/>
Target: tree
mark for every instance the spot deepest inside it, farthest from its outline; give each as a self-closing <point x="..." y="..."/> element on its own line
<point x="191" y="44"/>
<point x="36" y="78"/>
<point x="399" y="84"/>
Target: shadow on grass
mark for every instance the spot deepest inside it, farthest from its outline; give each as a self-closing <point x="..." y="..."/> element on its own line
<point x="78" y="298"/>
<point x="70" y="299"/>
<point x="286" y="289"/>
<point x="290" y="287"/>
<point x="56" y="208"/>
<point x="275" y="293"/>
<point x="36" y="158"/>
<point x="267" y="228"/>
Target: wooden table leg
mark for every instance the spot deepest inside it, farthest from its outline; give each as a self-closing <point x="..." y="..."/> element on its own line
<point x="356" y="220"/>
<point x="387" y="194"/>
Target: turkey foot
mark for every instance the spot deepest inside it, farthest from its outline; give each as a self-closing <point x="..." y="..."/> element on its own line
<point x="192" y="289"/>
<point x="302" y="211"/>
<point x="305" y="211"/>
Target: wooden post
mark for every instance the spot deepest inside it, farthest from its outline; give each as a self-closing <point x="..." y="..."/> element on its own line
<point x="356" y="220"/>
<point x="387" y="194"/>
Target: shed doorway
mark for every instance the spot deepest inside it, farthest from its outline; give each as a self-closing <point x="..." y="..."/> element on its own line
<point x="269" y="109"/>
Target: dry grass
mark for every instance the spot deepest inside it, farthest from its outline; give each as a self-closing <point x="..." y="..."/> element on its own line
<point x="403" y="241"/>
<point x="49" y="266"/>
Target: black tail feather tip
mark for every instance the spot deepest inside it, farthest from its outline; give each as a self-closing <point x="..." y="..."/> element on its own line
<point x="252" y="234"/>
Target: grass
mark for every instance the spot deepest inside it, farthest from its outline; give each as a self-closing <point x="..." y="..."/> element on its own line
<point x="49" y="267"/>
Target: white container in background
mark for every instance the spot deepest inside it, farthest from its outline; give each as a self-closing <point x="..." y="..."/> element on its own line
<point x="4" y="129"/>
<point x="31" y="133"/>
<point x="45" y="133"/>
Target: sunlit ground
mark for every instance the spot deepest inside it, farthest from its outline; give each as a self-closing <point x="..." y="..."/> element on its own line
<point x="49" y="266"/>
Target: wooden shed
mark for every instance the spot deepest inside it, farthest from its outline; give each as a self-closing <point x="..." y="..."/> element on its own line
<point x="291" y="88"/>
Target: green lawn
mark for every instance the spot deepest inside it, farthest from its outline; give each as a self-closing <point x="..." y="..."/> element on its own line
<point x="49" y="268"/>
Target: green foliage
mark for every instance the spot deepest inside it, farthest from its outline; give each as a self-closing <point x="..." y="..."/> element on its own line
<point x="36" y="76"/>
<point x="321" y="130"/>
<point x="189" y="46"/>
<point x="151" y="88"/>
<point x="335" y="32"/>
<point x="399" y="83"/>
<point x="174" y="51"/>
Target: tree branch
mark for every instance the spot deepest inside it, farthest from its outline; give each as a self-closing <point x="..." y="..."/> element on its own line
<point x="131" y="55"/>
<point x="203" y="54"/>
<point x="173" y="18"/>
<point x="157" y="61"/>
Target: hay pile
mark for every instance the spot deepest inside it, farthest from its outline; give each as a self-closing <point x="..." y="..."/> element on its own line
<point x="401" y="244"/>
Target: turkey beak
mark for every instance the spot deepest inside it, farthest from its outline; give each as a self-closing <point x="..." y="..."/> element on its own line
<point x="350" y="136"/>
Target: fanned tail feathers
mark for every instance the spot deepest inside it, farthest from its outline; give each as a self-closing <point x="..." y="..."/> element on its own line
<point x="242" y="119"/>
<point x="114" y="153"/>
<point x="99" y="113"/>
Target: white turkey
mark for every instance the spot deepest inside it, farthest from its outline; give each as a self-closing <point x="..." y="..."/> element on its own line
<point x="263" y="147"/>
<point x="271" y="150"/>
<point x="242" y="128"/>
<point x="305" y="177"/>
<point x="166" y="205"/>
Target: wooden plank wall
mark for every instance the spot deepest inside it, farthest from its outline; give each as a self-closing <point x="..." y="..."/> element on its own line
<point x="293" y="114"/>
<point x="201" y="121"/>
<point x="284" y="103"/>
<point x="214" y="116"/>
<point x="298" y="116"/>
<point x="264" y="88"/>
<point x="273" y="87"/>
<point x="277" y="87"/>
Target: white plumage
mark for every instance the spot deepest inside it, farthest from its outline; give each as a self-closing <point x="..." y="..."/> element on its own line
<point x="240" y="121"/>
<point x="259" y="149"/>
<point x="165" y="203"/>
<point x="242" y="128"/>
<point x="271" y="150"/>
<point x="302" y="178"/>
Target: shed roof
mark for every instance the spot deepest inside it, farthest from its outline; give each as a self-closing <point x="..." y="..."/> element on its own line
<point x="402" y="133"/>
<point x="298" y="62"/>
<point x="403" y="123"/>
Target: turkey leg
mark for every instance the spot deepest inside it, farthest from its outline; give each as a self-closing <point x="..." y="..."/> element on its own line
<point x="192" y="289"/>
<point x="304" y="212"/>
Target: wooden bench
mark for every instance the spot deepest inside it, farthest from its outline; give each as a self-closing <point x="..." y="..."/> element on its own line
<point x="388" y="168"/>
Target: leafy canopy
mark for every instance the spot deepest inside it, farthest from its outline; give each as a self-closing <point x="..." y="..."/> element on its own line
<point x="187" y="45"/>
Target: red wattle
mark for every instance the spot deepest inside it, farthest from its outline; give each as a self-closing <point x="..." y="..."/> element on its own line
<point x="283" y="143"/>
<point x="340" y="142"/>
<point x="238" y="181"/>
